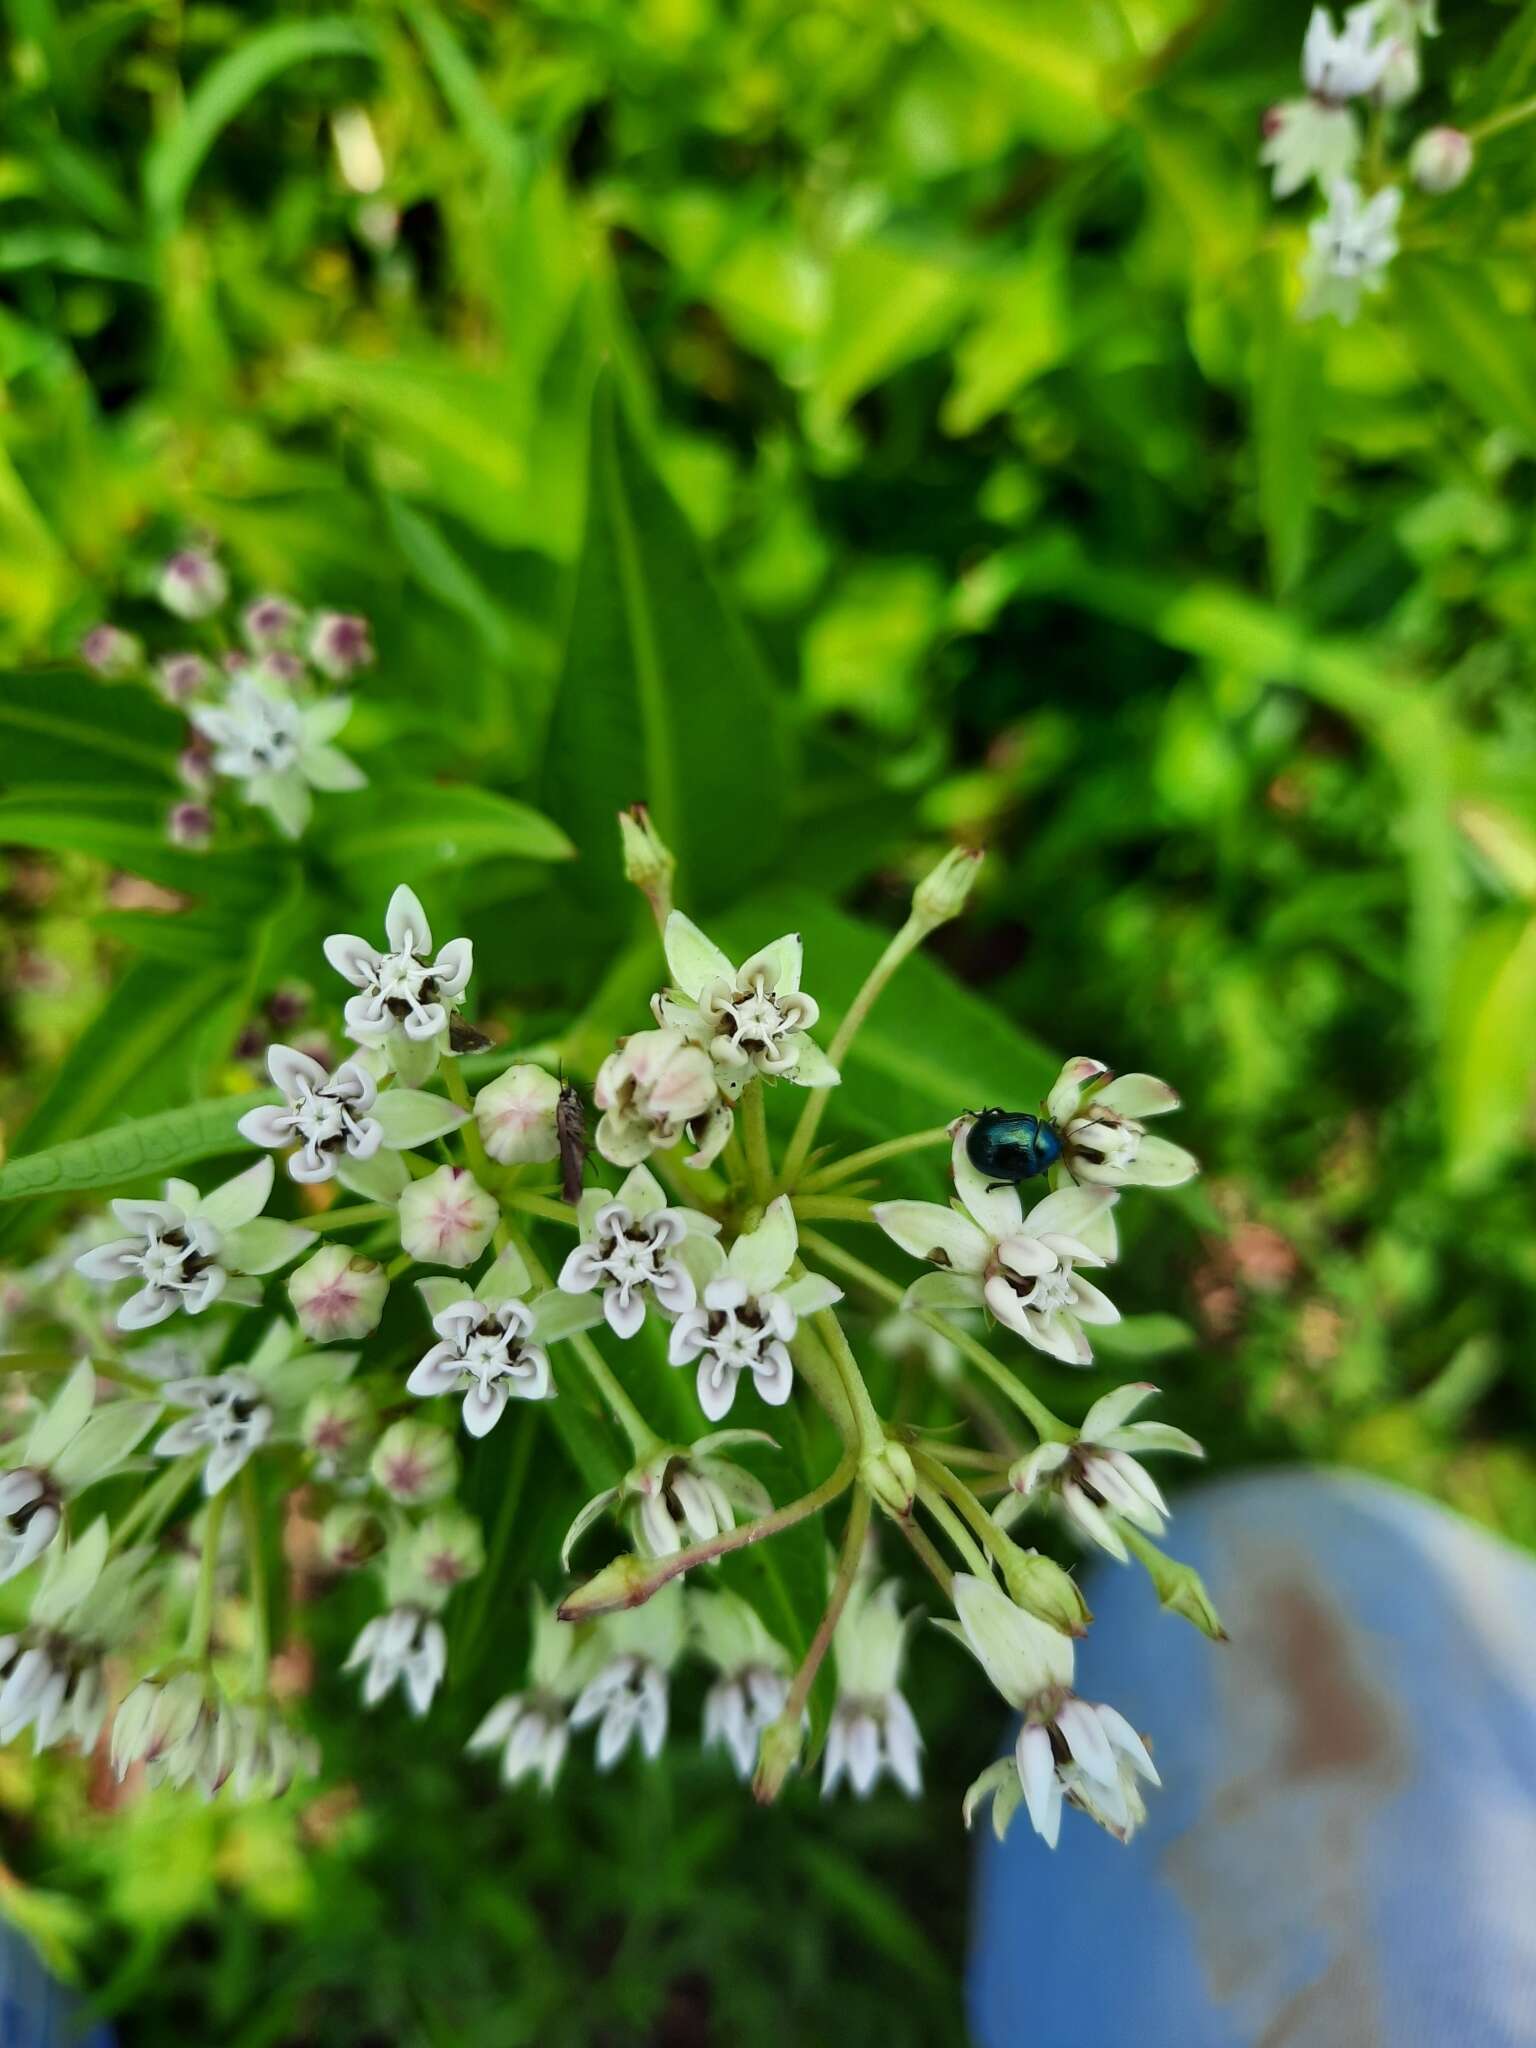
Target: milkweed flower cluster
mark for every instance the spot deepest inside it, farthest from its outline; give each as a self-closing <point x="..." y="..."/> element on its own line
<point x="1356" y="71"/>
<point x="396" y="1291"/>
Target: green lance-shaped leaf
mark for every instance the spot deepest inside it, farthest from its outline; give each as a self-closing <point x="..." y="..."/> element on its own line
<point x="147" y="1148"/>
<point x="57" y="727"/>
<point x="663" y="698"/>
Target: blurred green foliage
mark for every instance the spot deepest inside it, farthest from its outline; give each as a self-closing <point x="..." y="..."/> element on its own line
<point x="956" y="446"/>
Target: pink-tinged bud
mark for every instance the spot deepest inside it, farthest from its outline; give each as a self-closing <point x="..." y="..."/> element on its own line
<point x="338" y="1425"/>
<point x="516" y="1115"/>
<point x="1440" y="160"/>
<point x="337" y="1295"/>
<point x="277" y="665"/>
<point x="109" y="651"/>
<point x="414" y="1463"/>
<point x="340" y="643"/>
<point x="189" y="825"/>
<point x="269" y="622"/>
<point x="1272" y="123"/>
<point x="350" y="1536"/>
<point x="180" y="677"/>
<point x="194" y="766"/>
<point x="447" y="1219"/>
<point x="192" y="584"/>
<point x="448" y="1550"/>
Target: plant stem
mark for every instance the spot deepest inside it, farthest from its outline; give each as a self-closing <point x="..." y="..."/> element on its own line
<point x="935" y="1505"/>
<point x="849" y="1559"/>
<point x="834" y="1209"/>
<point x="953" y="1489"/>
<point x="911" y="935"/>
<point x="1507" y="117"/>
<point x="343" y="1219"/>
<point x="644" y="1441"/>
<point x="754" y="1128"/>
<point x="156" y="1501"/>
<point x="256" y="1569"/>
<point x="543" y="1207"/>
<point x="512" y="1484"/>
<point x="200" y="1625"/>
<point x="928" y="1554"/>
<point x="871" y="1430"/>
<point x="474" y="1150"/>
<point x="874" y="1155"/>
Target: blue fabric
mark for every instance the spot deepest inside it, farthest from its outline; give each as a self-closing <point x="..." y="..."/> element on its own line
<point x="1343" y="1853"/>
<point x="35" y="2011"/>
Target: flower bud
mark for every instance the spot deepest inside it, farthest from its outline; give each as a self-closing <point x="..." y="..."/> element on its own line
<point x="941" y="895"/>
<point x="350" y="1536"/>
<point x="179" y="677"/>
<point x="340" y="643"/>
<point x="447" y="1550"/>
<point x="889" y="1475"/>
<point x="268" y="622"/>
<point x="447" y="1219"/>
<point x="1404" y="73"/>
<point x="337" y="1295"/>
<point x="109" y="651"/>
<point x="189" y="825"/>
<point x="192" y="584"/>
<point x="1040" y="1586"/>
<point x="338" y="1424"/>
<point x="414" y="1463"/>
<point x="516" y="1115"/>
<point x="648" y="861"/>
<point x="650" y="1088"/>
<point x="777" y="1755"/>
<point x="1180" y="1588"/>
<point x="1440" y="160"/>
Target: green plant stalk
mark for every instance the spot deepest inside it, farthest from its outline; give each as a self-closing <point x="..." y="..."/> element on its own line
<point x="833" y="1209"/>
<point x="754" y="1128"/>
<point x="849" y="1559"/>
<point x="955" y="1490"/>
<point x="480" y="1165"/>
<point x="930" y="1557"/>
<point x="156" y="1502"/>
<point x="871" y="1430"/>
<point x="542" y="1207"/>
<point x="200" y="1623"/>
<point x="344" y="1219"/>
<point x="1496" y="124"/>
<point x="906" y="941"/>
<point x="64" y="1361"/>
<point x="644" y="1441"/>
<point x="1048" y="1427"/>
<point x="512" y="1483"/>
<point x="821" y="1374"/>
<point x="256" y="1571"/>
<point x="935" y="1505"/>
<point x="856" y="1163"/>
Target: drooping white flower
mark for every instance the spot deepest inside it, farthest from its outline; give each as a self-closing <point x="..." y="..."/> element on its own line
<point x="746" y="1315"/>
<point x="486" y="1346"/>
<point x="406" y="996"/>
<point x="531" y="1728"/>
<point x="192" y="583"/>
<point x="340" y="643"/>
<point x="404" y="1647"/>
<point x="269" y="1754"/>
<point x="1024" y="1269"/>
<point x="52" y="1675"/>
<point x="1067" y="1749"/>
<point x="653" y="1089"/>
<point x="326" y="1116"/>
<point x="873" y="1731"/>
<point x="680" y="1496"/>
<point x="1101" y="1117"/>
<point x="630" y="1252"/>
<point x="228" y="1416"/>
<point x="628" y="1695"/>
<point x="1349" y="249"/>
<point x="183" y="1251"/>
<point x="30" y="1516"/>
<point x="70" y="1446"/>
<point x="278" y="749"/>
<point x="1099" y="1476"/>
<point x="1306" y="140"/>
<point x="751" y="1019"/>
<point x="753" y="1675"/>
<point x="181" y="1729"/>
<point x="1344" y="64"/>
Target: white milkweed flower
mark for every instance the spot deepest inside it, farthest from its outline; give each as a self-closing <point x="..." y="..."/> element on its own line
<point x="532" y="1728"/>
<point x="630" y="1252"/>
<point x="1344" y="64"/>
<point x="653" y="1089"/>
<point x="192" y="583"/>
<point x="680" y="1496"/>
<point x="406" y="1647"/>
<point x="277" y="748"/>
<point x="181" y="1729"/>
<point x="407" y="997"/>
<point x="1067" y="1748"/>
<point x="873" y="1730"/>
<point x="628" y="1696"/>
<point x="1349" y="248"/>
<point x="1101" y="1117"/>
<point x="1022" y="1268"/>
<point x="746" y="1315"/>
<point x="183" y="1251"/>
<point x="69" y="1447"/>
<point x="52" y="1675"/>
<point x="752" y="1019"/>
<point x="752" y="1685"/>
<point x="486" y="1346"/>
<point x="1099" y="1476"/>
<point x="1306" y="140"/>
<point x="325" y="1116"/>
<point x="229" y="1418"/>
<point x="269" y="1754"/>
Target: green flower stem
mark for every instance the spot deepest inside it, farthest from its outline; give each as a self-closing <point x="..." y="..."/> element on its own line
<point x="784" y="1736"/>
<point x="643" y="1439"/>
<point x="754" y="1128"/>
<point x="64" y="1361"/>
<point x="935" y="1505"/>
<point x="911" y="936"/>
<point x="928" y="1554"/>
<point x="485" y="1173"/>
<point x="870" y="1428"/>
<point x="344" y="1219"/>
<point x="399" y="1265"/>
<point x="1048" y="1427"/>
<point x="834" y="1209"/>
<point x="1508" y="117"/>
<point x="956" y="1491"/>
<point x="698" y="1189"/>
<point x="990" y="1462"/>
<point x="821" y="1374"/>
<point x="200" y="1625"/>
<point x="512" y="1483"/>
<point x="256" y="1572"/>
<point x="541" y="1206"/>
<point x="873" y="1155"/>
<point x="155" y="1503"/>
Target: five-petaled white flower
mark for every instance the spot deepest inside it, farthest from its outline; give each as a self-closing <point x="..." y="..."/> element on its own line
<point x="653" y="1089"/>
<point x="1101" y="1117"/>
<point x="181" y="1729"/>
<point x="1099" y="1477"/>
<point x="1344" y="64"/>
<point x="53" y="1676"/>
<point x="752" y="1685"/>
<point x="407" y="997"/>
<point x="230" y="1417"/>
<point x="630" y="1252"/>
<point x="184" y="1251"/>
<point x="69" y="1447"/>
<point x="752" y="1019"/>
<point x="1349" y="248"/>
<point x="1023" y="1268"/>
<point x="1306" y="140"/>
<point x="680" y="1496"/>
<point x="278" y="748"/>
<point x="873" y="1730"/>
<point x="486" y="1348"/>
<point x="747" y="1316"/>
<point x="532" y="1728"/>
<point x="404" y="1647"/>
<point x="628" y="1695"/>
<point x="325" y="1116"/>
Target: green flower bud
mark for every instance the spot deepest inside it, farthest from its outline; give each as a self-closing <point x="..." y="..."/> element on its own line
<point x="941" y="895"/>
<point x="415" y="1463"/>
<point x="1040" y="1586"/>
<point x="516" y="1115"/>
<point x="338" y="1295"/>
<point x="447" y="1550"/>
<point x="338" y="1425"/>
<point x="890" y="1476"/>
<point x="648" y="861"/>
<point x="447" y="1219"/>
<point x="350" y="1535"/>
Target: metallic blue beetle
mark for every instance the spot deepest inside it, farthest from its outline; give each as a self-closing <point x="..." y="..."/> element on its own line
<point x="1009" y="1146"/>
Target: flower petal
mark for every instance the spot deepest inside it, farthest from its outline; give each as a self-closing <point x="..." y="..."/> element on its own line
<point x="995" y="1206"/>
<point x="1137" y="1095"/>
<point x="940" y="1235"/>
<point x="692" y="959"/>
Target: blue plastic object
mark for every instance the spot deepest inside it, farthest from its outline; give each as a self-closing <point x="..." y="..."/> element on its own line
<point x="35" y="2010"/>
<point x="1343" y="1854"/>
